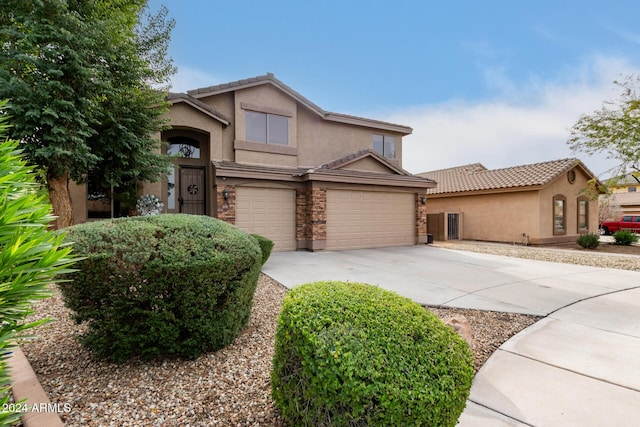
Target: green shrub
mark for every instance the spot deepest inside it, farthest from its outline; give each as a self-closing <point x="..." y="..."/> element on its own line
<point x="162" y="285"/>
<point x="266" y="246"/>
<point x="625" y="237"/>
<point x="354" y="354"/>
<point x="30" y="256"/>
<point x="589" y="240"/>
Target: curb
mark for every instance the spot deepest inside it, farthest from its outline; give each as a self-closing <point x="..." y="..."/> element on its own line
<point x="25" y="385"/>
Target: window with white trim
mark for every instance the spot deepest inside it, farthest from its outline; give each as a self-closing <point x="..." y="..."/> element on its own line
<point x="267" y="128"/>
<point x="385" y="145"/>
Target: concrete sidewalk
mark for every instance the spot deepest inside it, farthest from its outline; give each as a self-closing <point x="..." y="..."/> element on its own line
<point x="580" y="366"/>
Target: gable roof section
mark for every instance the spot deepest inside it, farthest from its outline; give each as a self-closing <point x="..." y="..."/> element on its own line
<point x="333" y="171"/>
<point x="632" y="179"/>
<point x="360" y="155"/>
<point x="475" y="177"/>
<point x="270" y="79"/>
<point x="177" y="98"/>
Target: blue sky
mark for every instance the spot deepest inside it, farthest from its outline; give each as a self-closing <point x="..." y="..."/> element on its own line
<point x="495" y="82"/>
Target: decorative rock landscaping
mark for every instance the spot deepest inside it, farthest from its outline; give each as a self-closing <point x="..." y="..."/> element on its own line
<point x="231" y="386"/>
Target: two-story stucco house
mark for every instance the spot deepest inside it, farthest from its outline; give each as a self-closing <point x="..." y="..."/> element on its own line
<point x="624" y="198"/>
<point x="257" y="154"/>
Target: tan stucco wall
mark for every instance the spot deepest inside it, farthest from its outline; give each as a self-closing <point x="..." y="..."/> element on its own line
<point x="225" y="104"/>
<point x="367" y="164"/>
<point x="502" y="217"/>
<point x="183" y="116"/>
<point x="264" y="98"/>
<point x="572" y="192"/>
<point x="321" y="141"/>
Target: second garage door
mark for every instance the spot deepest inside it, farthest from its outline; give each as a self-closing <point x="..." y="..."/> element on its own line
<point x="270" y="212"/>
<point x="369" y="219"/>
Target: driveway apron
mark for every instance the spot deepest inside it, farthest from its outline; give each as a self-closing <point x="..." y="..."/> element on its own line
<point x="579" y="366"/>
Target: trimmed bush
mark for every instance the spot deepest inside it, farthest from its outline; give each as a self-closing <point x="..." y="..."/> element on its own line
<point x="161" y="285"/>
<point x="266" y="246"/>
<point x="350" y="354"/>
<point x="625" y="237"/>
<point x="589" y="240"/>
<point x="31" y="257"/>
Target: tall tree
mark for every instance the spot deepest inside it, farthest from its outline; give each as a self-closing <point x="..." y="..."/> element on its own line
<point x="614" y="129"/>
<point x="85" y="80"/>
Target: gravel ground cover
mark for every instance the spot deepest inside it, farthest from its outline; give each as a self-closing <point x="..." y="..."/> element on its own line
<point x="607" y="255"/>
<point x="229" y="387"/>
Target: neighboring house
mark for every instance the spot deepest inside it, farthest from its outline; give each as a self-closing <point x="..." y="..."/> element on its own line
<point x="624" y="198"/>
<point x="257" y="154"/>
<point x="538" y="203"/>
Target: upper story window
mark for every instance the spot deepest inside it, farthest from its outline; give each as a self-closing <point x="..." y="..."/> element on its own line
<point x="385" y="145"/>
<point x="267" y="128"/>
<point x="186" y="147"/>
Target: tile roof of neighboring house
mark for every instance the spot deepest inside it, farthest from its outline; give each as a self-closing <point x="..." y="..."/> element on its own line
<point x="624" y="180"/>
<point x="475" y="177"/>
<point x="269" y="78"/>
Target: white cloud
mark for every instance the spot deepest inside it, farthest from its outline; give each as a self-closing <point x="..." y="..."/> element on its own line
<point x="523" y="124"/>
<point x="188" y="78"/>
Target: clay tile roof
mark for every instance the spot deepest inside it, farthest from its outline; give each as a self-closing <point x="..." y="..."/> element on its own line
<point x="628" y="179"/>
<point x="475" y="177"/>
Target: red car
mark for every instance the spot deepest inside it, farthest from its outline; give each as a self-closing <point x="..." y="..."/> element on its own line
<point x="627" y="222"/>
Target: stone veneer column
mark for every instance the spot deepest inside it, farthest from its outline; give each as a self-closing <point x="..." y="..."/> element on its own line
<point x="227" y="208"/>
<point x="318" y="218"/>
<point x="303" y="221"/>
<point x="421" y="218"/>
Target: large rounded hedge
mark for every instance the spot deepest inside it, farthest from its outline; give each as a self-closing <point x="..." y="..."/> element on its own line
<point x="161" y="285"/>
<point x="351" y="354"/>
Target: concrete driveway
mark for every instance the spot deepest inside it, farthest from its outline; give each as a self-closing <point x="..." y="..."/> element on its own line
<point x="579" y="366"/>
<point x="451" y="278"/>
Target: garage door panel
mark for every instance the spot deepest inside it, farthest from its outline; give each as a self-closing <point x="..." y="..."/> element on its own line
<point x="270" y="212"/>
<point x="364" y="219"/>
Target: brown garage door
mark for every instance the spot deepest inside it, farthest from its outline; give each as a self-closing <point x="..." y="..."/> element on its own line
<point x="369" y="219"/>
<point x="270" y="212"/>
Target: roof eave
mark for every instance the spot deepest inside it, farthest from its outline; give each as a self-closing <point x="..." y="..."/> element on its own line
<point x="486" y="191"/>
<point x="360" y="121"/>
<point x="370" y="179"/>
<point x="269" y="78"/>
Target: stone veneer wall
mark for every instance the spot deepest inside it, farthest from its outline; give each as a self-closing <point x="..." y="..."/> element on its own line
<point x="421" y="218"/>
<point x="227" y="208"/>
<point x="318" y="210"/>
<point x="303" y="215"/>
